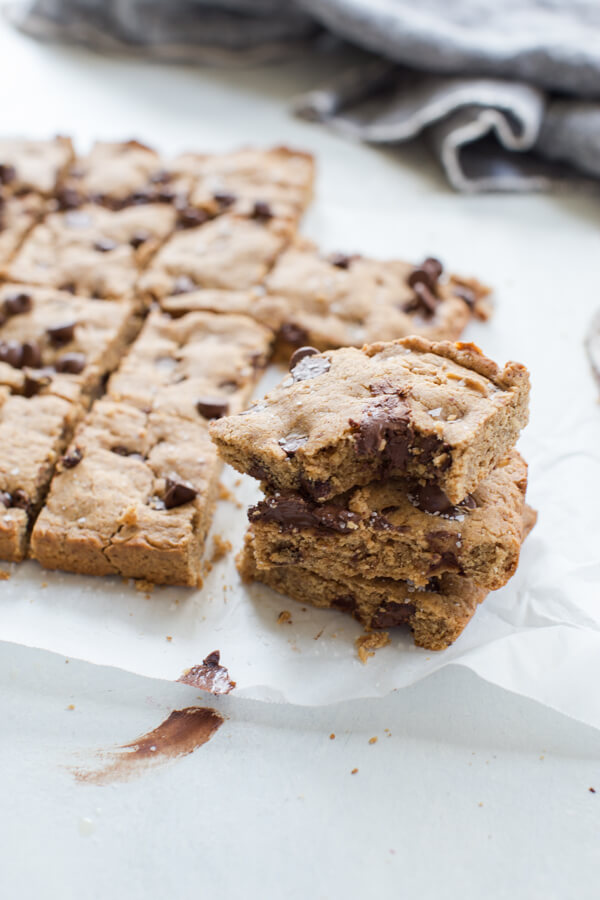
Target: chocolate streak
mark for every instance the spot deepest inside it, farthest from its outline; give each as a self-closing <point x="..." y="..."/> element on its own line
<point x="179" y="735"/>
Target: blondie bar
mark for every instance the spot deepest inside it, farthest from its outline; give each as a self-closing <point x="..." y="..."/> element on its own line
<point x="438" y="413"/>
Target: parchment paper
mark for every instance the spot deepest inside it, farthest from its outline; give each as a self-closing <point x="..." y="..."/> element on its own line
<point x="539" y="636"/>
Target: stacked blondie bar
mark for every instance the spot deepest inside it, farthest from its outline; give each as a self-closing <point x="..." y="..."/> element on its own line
<point x="141" y="298"/>
<point x="391" y="486"/>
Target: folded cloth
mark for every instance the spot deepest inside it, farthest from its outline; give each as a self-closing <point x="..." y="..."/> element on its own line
<point x="508" y="94"/>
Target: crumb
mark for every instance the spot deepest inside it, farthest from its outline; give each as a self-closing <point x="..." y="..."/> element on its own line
<point x="541" y="757"/>
<point x="284" y="617"/>
<point x="71" y="706"/>
<point x="387" y="730"/>
<point x="237" y="482"/>
<point x="169" y="638"/>
<point x="224" y="492"/>
<point x="480" y="804"/>
<point x="354" y="771"/>
<point x="367" y="644"/>
<point x="332" y="738"/>
<point x="592" y="790"/>
<point x="142" y="585"/>
<point x="317" y="636"/>
<point x="373" y="740"/>
<point x="4" y="575"/>
<point x="206" y="567"/>
<point x="221" y="548"/>
<point x="44" y="584"/>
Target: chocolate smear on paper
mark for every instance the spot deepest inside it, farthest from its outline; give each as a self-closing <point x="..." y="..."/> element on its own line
<point x="179" y="735"/>
<point x="210" y="676"/>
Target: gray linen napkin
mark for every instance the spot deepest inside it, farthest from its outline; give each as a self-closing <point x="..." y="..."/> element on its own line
<point x="507" y="93"/>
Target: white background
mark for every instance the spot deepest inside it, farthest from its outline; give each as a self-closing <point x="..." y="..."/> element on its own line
<point x="477" y="792"/>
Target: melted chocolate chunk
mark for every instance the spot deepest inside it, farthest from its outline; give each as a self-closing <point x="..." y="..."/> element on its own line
<point x="31" y="355"/>
<point x="431" y="498"/>
<point x="138" y="238"/>
<point x="16" y="304"/>
<point x="8" y="173"/>
<point x="424" y="281"/>
<point x="72" y="459"/>
<point x="292" y="442"/>
<point x="345" y="603"/>
<point x="212" y="407"/>
<point x="391" y="614"/>
<point x="105" y="245"/>
<point x="189" y="217"/>
<point x="300" y="353"/>
<point x="291" y="511"/>
<point x="177" y="494"/>
<point x="257" y="470"/>
<point x="62" y="334"/>
<point x="310" y="367"/>
<point x="385" y="431"/>
<point x="262" y="212"/>
<point x="292" y="334"/>
<point x="71" y="363"/>
<point x="20" y="500"/>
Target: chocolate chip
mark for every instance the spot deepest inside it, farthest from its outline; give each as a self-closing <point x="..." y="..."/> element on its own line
<point x="431" y="498"/>
<point x="433" y="267"/>
<point x="345" y="603"/>
<point x="300" y="353"/>
<point x="72" y="363"/>
<point x="165" y="195"/>
<point x="19" y="499"/>
<point x="391" y="614"/>
<point x="11" y="353"/>
<point x="68" y="198"/>
<point x="124" y="451"/>
<point x="189" y="217"/>
<point x="465" y="293"/>
<point x="62" y="334"/>
<point x="72" y="459"/>
<point x="33" y="384"/>
<point x="212" y="407"/>
<point x="292" y="442"/>
<point x="262" y="212"/>
<point x="7" y="173"/>
<point x="469" y="502"/>
<point x="31" y="355"/>
<point x="177" y="494"/>
<point x="68" y="286"/>
<point x="292" y="334"/>
<point x="257" y="470"/>
<point x="183" y="285"/>
<point x="105" y="245"/>
<point x="385" y="431"/>
<point x="138" y="238"/>
<point x="340" y="260"/>
<point x="310" y="367"/>
<point x="224" y="199"/>
<point x="291" y="511"/>
<point x="425" y="298"/>
<point x="16" y="304"/>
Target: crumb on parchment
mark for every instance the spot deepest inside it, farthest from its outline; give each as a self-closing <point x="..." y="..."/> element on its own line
<point x="284" y="617"/>
<point x="221" y="547"/>
<point x="367" y="644"/>
<point x="373" y="740"/>
<point x="143" y="586"/>
<point x="4" y="575"/>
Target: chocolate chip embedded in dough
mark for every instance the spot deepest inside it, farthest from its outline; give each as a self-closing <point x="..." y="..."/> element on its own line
<point x="262" y="212"/>
<point x="31" y="355"/>
<point x="71" y="363"/>
<point x="17" y="304"/>
<point x="212" y="407"/>
<point x="68" y="198"/>
<point x="224" y="199"/>
<point x="177" y="494"/>
<point x="72" y="459"/>
<point x="34" y="383"/>
<point x="20" y="500"/>
<point x="431" y="498"/>
<point x="190" y="217"/>
<point x="292" y="334"/>
<point x="7" y="173"/>
<point x="139" y="237"/>
<point x="391" y="614"/>
<point x="61" y="334"/>
<point x="301" y="353"/>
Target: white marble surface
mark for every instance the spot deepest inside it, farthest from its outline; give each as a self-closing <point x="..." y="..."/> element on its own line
<point x="476" y="793"/>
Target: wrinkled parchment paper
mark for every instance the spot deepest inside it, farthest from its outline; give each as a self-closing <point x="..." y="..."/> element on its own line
<point x="539" y="636"/>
